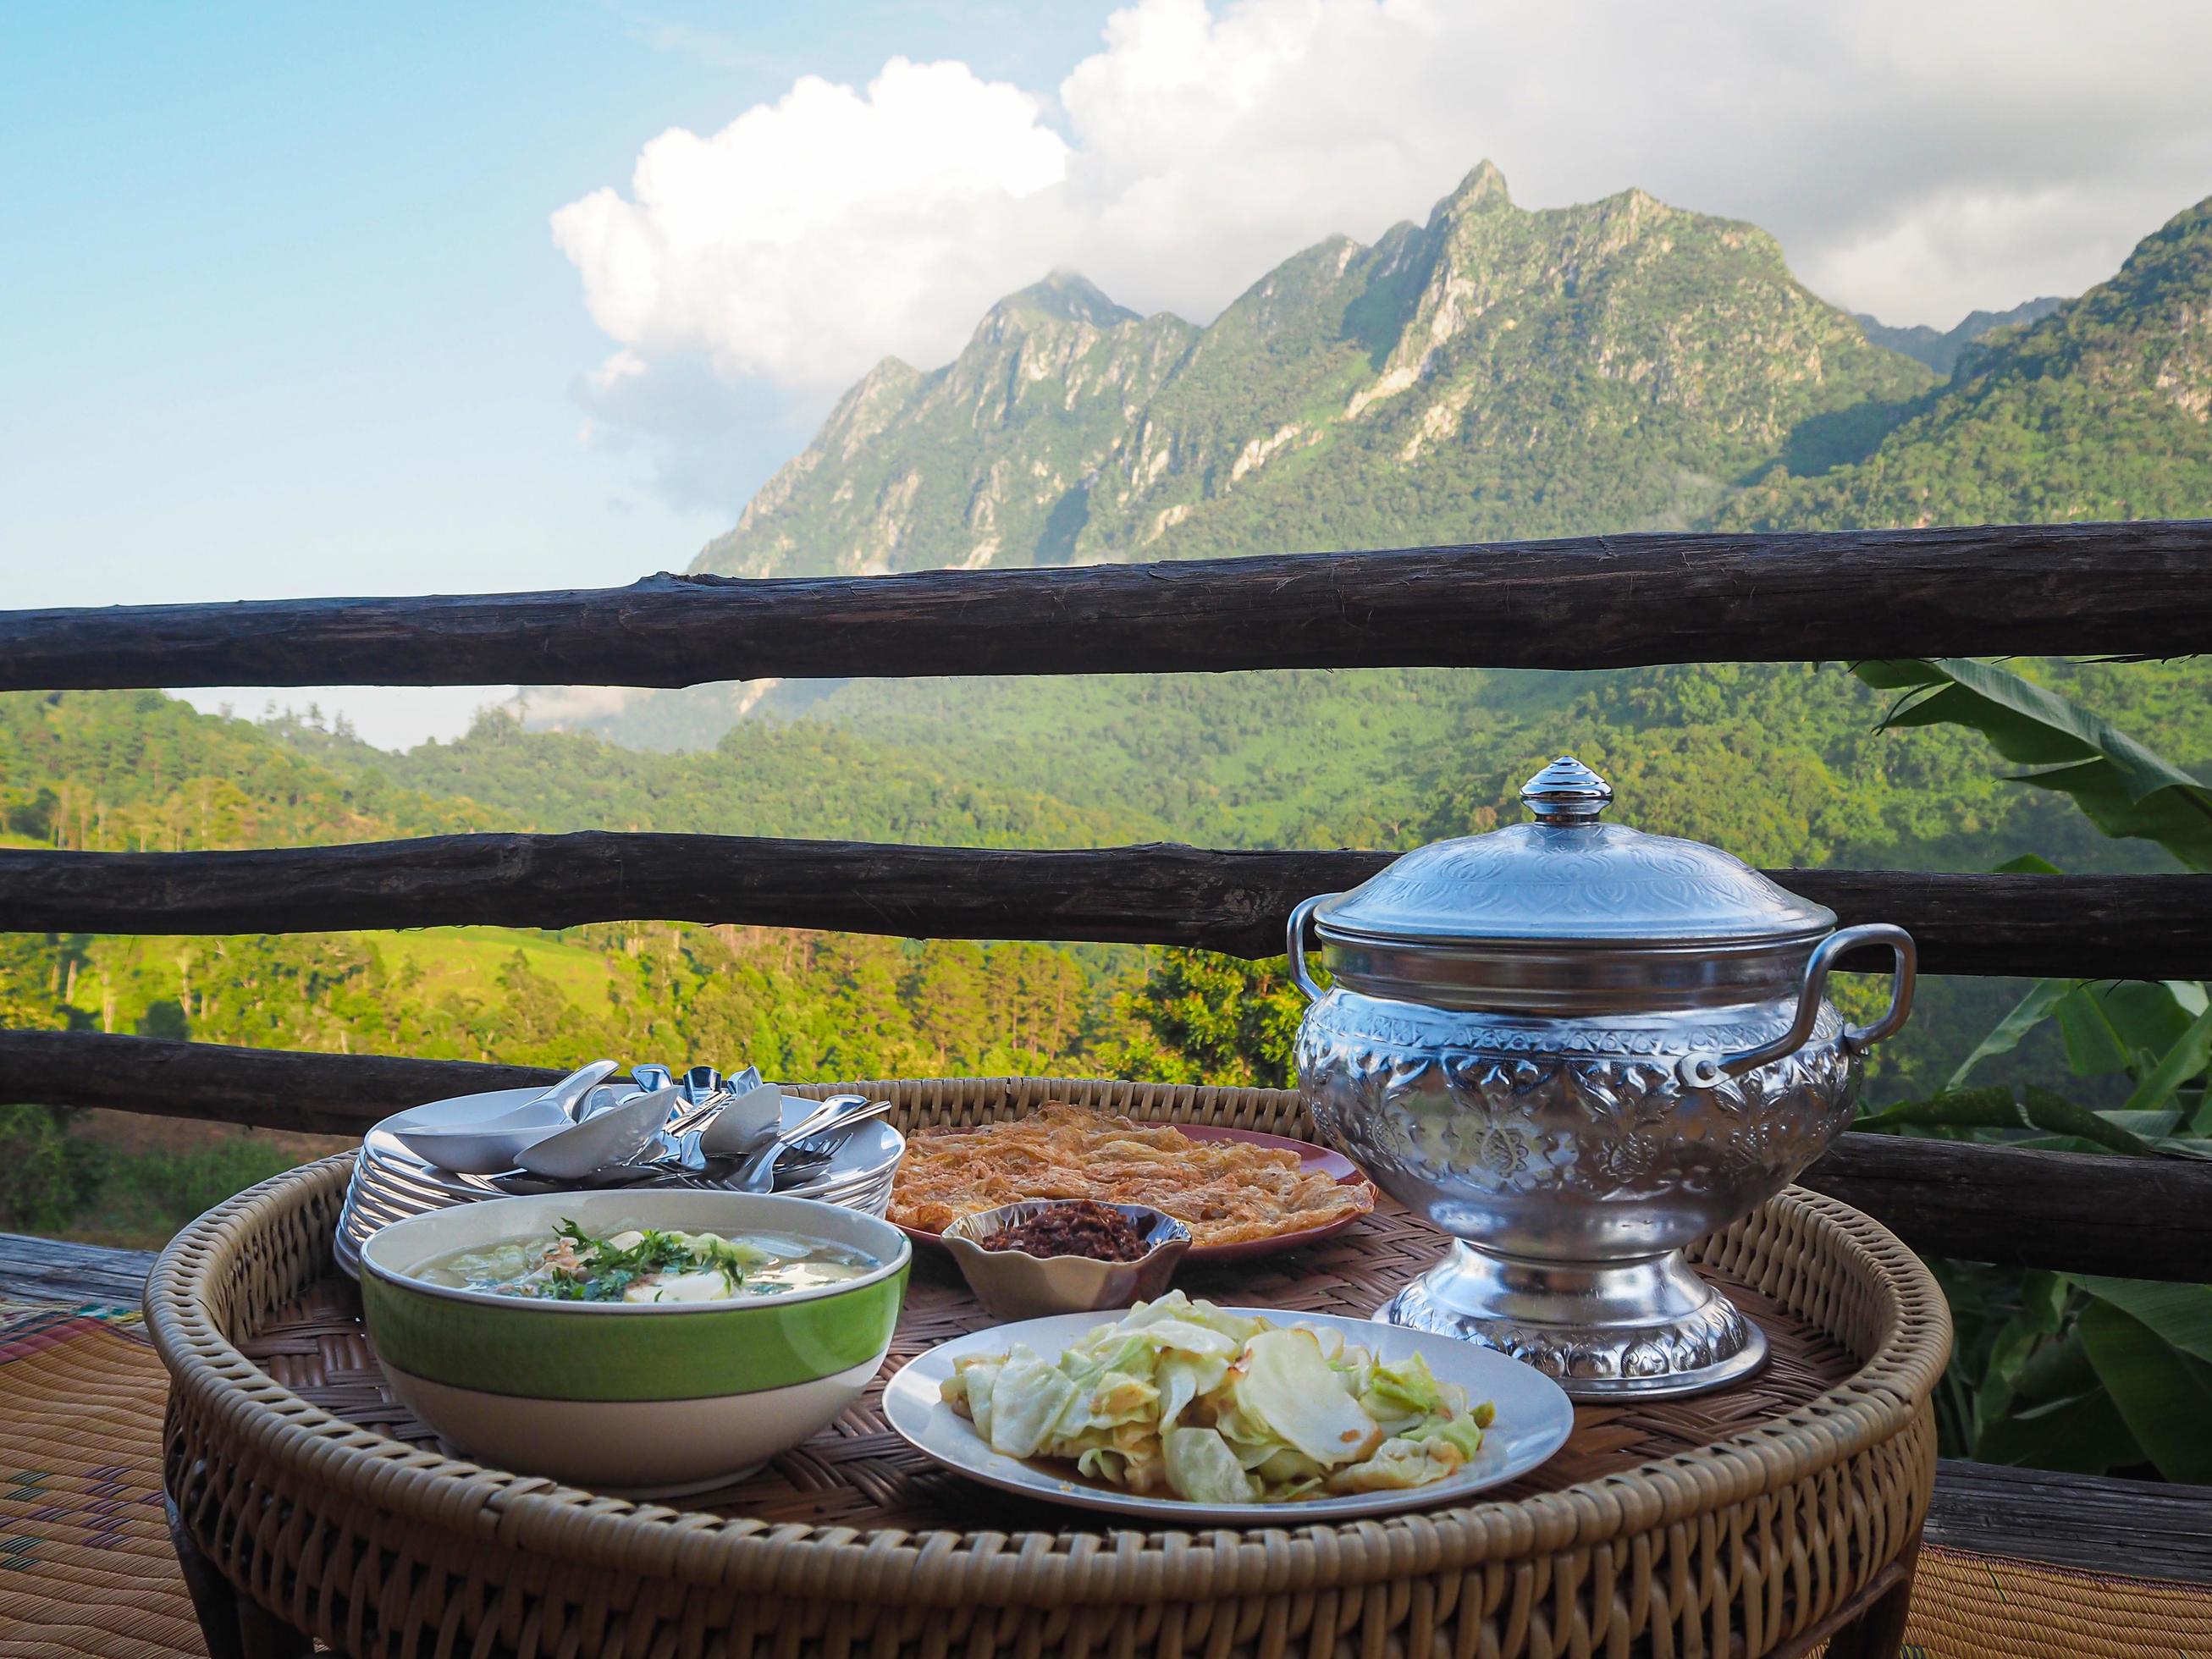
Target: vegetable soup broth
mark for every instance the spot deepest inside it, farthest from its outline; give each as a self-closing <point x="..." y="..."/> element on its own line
<point x="646" y="1265"/>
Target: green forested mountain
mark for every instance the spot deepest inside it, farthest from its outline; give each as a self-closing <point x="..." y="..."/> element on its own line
<point x="1494" y="372"/>
<point x="136" y="771"/>
<point x="779" y="778"/>
<point x="1941" y="349"/>
<point x="113" y="771"/>
<point x="2103" y="409"/>
<point x="1497" y="373"/>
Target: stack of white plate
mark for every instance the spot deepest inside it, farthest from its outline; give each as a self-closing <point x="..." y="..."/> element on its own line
<point x="390" y="1182"/>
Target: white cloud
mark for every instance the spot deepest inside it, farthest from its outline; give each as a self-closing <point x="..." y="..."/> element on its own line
<point x="1917" y="158"/>
<point x="806" y="234"/>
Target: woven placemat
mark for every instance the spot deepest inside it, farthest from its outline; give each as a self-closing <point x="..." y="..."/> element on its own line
<point x="859" y="1473"/>
<point x="1991" y="1606"/>
<point x="85" y="1561"/>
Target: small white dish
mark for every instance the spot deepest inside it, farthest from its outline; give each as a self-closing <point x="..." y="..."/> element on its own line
<point x="615" y="1135"/>
<point x="1015" y="1285"/>
<point x="1534" y="1419"/>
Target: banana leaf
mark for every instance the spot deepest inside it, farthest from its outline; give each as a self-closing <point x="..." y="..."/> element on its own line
<point x="2187" y="1057"/>
<point x="2044" y="1297"/>
<point x="2180" y="1314"/>
<point x="2080" y="1434"/>
<point x="2125" y="789"/>
<point x="2161" y="1392"/>
<point x="2030" y="1011"/>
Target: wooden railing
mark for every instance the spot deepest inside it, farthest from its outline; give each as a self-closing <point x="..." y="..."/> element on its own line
<point x="2120" y="926"/>
<point x="1593" y="602"/>
<point x="2130" y="589"/>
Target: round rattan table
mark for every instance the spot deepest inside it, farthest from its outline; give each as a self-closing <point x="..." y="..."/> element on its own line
<point x="1762" y="1520"/>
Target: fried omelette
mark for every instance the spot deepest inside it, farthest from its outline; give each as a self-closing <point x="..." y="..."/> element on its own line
<point x="1226" y="1191"/>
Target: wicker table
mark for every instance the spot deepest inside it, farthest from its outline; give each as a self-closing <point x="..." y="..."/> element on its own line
<point x="1759" y="1520"/>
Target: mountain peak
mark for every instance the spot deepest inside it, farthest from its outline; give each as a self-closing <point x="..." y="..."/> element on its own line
<point x="1499" y="370"/>
<point x="1485" y="187"/>
<point x="1070" y="296"/>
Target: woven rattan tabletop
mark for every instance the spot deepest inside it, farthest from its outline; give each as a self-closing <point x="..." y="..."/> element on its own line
<point x="1745" y="1522"/>
<point x="859" y="1473"/>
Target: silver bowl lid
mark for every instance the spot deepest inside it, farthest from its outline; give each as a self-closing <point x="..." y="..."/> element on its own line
<point x="1566" y="879"/>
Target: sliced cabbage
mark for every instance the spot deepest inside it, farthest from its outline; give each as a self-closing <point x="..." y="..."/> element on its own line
<point x="1404" y="1392"/>
<point x="1026" y="1401"/>
<point x="1284" y="1387"/>
<point x="1201" y="1468"/>
<point x="1463" y="1433"/>
<point x="1219" y="1408"/>
<point x="1179" y="1311"/>
<point x="1398" y="1463"/>
<point x="1183" y="1377"/>
<point x="1287" y="1468"/>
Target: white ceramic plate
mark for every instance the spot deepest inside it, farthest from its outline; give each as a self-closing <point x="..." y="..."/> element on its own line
<point x="1534" y="1420"/>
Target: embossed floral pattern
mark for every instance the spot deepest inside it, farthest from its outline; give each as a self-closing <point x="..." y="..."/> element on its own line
<point x="1472" y="1118"/>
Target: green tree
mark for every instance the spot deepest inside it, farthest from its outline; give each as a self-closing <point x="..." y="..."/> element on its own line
<point x="1202" y="1017"/>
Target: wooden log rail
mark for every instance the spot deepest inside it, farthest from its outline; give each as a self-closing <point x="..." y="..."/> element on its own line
<point x="2137" y="1217"/>
<point x="2121" y="926"/>
<point x="1591" y="602"/>
<point x="1602" y="602"/>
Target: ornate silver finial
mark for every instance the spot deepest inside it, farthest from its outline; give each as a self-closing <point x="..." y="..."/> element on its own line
<point x="1566" y="792"/>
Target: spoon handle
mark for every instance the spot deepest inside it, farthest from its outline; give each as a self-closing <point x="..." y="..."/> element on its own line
<point x="840" y="1125"/>
<point x="827" y="1113"/>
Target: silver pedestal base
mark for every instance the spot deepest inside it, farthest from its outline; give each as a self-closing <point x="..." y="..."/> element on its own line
<point x="1603" y="1330"/>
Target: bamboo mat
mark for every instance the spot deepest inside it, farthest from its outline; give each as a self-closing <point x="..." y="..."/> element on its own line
<point x="1989" y="1607"/>
<point x="85" y="1562"/>
<point x="85" y="1566"/>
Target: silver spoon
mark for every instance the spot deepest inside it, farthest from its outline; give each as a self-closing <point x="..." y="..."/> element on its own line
<point x="745" y="1124"/>
<point x="614" y="1136"/>
<point x="757" y="1173"/>
<point x="570" y="1093"/>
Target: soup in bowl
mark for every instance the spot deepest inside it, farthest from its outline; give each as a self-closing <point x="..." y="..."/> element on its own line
<point x="638" y="1342"/>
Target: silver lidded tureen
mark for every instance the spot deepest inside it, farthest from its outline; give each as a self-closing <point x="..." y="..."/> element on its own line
<point x="1576" y="1048"/>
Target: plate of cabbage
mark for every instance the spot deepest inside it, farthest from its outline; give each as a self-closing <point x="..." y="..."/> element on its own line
<point x="1184" y="1412"/>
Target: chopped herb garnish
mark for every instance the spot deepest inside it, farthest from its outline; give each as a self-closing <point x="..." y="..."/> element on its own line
<point x="604" y="1271"/>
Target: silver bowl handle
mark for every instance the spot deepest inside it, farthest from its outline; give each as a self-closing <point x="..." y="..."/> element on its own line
<point x="1703" y="1071"/>
<point x="1296" y="936"/>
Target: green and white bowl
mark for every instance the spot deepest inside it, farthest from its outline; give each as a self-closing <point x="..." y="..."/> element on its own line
<point x="636" y="1398"/>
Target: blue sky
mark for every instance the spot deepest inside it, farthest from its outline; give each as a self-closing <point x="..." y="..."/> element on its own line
<point x="283" y="311"/>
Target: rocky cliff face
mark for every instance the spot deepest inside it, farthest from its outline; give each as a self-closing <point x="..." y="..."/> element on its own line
<point x="1494" y="372"/>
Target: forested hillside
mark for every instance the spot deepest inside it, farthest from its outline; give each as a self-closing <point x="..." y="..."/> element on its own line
<point x="140" y="771"/>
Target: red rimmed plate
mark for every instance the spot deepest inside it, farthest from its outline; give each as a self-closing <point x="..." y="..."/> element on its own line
<point x="1318" y="1160"/>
